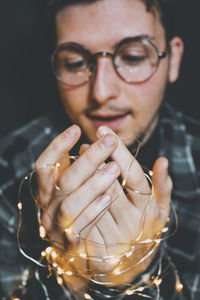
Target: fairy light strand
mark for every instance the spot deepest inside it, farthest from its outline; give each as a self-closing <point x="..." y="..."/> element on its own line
<point x="53" y="257"/>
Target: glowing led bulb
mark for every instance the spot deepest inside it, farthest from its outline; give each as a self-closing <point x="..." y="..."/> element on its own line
<point x="43" y="253"/>
<point x="129" y="292"/>
<point x="150" y="172"/>
<point x="59" y="271"/>
<point x="57" y="165"/>
<point x="117" y="271"/>
<point x="83" y="255"/>
<point x="19" y="205"/>
<point x="69" y="273"/>
<point x="157" y="281"/>
<point x="72" y="259"/>
<point x="54" y="254"/>
<point x="59" y="280"/>
<point x="42" y="231"/>
<point x="128" y="254"/>
<point x="179" y="286"/>
<point x="158" y="242"/>
<point x="114" y="259"/>
<point x="165" y="229"/>
<point x="68" y="230"/>
<point x="48" y="250"/>
<point x="87" y="296"/>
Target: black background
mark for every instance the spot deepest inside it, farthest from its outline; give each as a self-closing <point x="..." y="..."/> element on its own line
<point x="27" y="87"/>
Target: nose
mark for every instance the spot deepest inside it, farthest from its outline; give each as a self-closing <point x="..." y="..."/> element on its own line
<point x="105" y="83"/>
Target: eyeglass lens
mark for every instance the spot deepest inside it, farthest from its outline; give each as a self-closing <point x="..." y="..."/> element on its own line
<point x="134" y="61"/>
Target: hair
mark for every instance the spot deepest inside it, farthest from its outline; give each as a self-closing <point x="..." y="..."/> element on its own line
<point x="161" y="8"/>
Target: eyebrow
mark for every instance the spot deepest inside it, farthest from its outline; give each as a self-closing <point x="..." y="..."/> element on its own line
<point x="146" y="36"/>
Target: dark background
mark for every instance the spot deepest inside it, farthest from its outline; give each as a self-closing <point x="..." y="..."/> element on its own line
<point x="27" y="87"/>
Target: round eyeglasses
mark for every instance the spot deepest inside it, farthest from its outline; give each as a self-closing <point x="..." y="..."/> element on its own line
<point x="135" y="60"/>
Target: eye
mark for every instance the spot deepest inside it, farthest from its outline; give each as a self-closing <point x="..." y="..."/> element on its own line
<point x="75" y="65"/>
<point x="133" y="59"/>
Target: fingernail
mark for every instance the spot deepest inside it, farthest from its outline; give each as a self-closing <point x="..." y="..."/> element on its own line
<point x="109" y="141"/>
<point x="102" y="130"/>
<point x="111" y="168"/>
<point x="72" y="130"/>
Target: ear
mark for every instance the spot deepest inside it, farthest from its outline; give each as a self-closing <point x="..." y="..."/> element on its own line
<point x="176" y="52"/>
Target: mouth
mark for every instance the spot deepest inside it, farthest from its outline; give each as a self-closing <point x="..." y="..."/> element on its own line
<point x="112" y="121"/>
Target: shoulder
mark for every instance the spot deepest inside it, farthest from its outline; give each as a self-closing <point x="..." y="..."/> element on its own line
<point x="180" y="129"/>
<point x="180" y="143"/>
<point x="21" y="147"/>
<point x="18" y="153"/>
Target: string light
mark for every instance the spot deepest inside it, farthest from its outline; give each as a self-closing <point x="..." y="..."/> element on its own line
<point x="157" y="281"/>
<point x="87" y="296"/>
<point x="179" y="286"/>
<point x="59" y="280"/>
<point x="55" y="259"/>
<point x="117" y="271"/>
<point x="19" y="205"/>
<point x="42" y="232"/>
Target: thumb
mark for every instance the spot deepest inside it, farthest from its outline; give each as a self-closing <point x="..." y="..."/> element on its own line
<point x="163" y="186"/>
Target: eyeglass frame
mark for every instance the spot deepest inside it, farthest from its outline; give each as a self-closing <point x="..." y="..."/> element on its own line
<point x="93" y="65"/>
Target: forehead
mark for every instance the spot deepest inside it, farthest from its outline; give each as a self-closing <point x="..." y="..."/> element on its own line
<point x="105" y="22"/>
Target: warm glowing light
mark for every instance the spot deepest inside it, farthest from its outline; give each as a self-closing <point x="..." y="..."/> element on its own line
<point x="68" y="230"/>
<point x="48" y="250"/>
<point x="140" y="289"/>
<point x="57" y="165"/>
<point x="59" y="280"/>
<point x="150" y="172"/>
<point x="69" y="273"/>
<point x="83" y="255"/>
<point x="128" y="254"/>
<point x="43" y="253"/>
<point x="19" y="205"/>
<point x="55" y="265"/>
<point x="158" y="242"/>
<point x="87" y="296"/>
<point x="179" y="286"/>
<point x="157" y="281"/>
<point x="60" y="271"/>
<point x="165" y="229"/>
<point x="129" y="292"/>
<point x="114" y="259"/>
<point x="124" y="182"/>
<point x="117" y="271"/>
<point x="42" y="231"/>
<point x="54" y="254"/>
<point x="72" y="259"/>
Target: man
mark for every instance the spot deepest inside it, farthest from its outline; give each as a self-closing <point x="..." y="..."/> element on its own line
<point x="113" y="60"/>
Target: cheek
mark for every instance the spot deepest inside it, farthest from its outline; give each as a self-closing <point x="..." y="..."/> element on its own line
<point x="74" y="100"/>
<point x="151" y="93"/>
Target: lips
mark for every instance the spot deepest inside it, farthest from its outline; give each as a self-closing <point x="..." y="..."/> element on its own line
<point x="112" y="121"/>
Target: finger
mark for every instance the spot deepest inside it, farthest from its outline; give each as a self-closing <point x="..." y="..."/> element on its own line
<point x="125" y="214"/>
<point x="86" y="221"/>
<point x="131" y="171"/>
<point x="75" y="204"/>
<point x="59" y="148"/>
<point x="163" y="186"/>
<point x="86" y="165"/>
<point x="83" y="148"/>
<point x="61" y="145"/>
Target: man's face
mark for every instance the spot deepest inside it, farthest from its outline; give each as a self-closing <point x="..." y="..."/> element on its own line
<point x="131" y="110"/>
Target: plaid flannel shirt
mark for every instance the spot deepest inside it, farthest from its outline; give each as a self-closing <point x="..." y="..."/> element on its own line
<point x="178" y="140"/>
